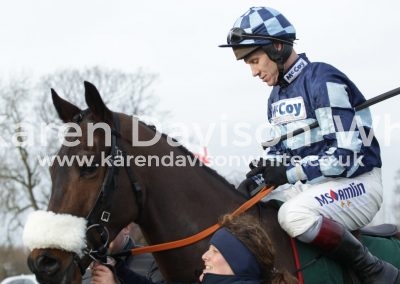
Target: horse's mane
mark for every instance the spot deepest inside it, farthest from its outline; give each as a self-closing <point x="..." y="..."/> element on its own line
<point x="182" y="148"/>
<point x="186" y="151"/>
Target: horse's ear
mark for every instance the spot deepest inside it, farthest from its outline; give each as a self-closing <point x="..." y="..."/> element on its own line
<point x="66" y="111"/>
<point x="95" y="103"/>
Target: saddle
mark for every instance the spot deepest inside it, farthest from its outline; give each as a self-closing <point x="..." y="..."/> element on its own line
<point x="382" y="230"/>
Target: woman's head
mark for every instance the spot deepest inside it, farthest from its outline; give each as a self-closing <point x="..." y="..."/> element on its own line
<point x="248" y="230"/>
<point x="241" y="247"/>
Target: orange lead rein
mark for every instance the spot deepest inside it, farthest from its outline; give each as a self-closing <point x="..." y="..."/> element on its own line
<point x="205" y="233"/>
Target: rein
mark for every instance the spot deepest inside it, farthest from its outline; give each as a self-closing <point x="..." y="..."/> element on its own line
<point x="199" y="236"/>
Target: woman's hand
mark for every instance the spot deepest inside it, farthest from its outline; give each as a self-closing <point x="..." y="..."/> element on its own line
<point x="101" y="274"/>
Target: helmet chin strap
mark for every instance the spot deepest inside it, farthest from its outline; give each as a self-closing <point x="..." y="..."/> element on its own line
<point x="279" y="56"/>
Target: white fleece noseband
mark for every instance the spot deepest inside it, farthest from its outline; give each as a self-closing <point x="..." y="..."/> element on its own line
<point x="46" y="229"/>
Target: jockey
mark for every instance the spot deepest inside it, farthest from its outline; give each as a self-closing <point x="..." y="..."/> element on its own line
<point x="329" y="177"/>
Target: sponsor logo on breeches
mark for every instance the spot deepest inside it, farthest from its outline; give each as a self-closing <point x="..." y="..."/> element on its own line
<point x="343" y="194"/>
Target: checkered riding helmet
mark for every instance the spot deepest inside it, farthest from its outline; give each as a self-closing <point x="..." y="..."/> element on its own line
<point x="259" y="26"/>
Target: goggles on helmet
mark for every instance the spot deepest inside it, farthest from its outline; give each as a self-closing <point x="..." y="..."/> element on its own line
<point x="237" y="35"/>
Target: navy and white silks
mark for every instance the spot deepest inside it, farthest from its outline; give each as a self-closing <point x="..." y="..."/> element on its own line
<point x="334" y="169"/>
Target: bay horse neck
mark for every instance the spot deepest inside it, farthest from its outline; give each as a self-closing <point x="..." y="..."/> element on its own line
<point x="178" y="200"/>
<point x="176" y="193"/>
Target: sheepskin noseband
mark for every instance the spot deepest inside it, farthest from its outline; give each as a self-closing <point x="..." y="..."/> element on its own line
<point x="46" y="229"/>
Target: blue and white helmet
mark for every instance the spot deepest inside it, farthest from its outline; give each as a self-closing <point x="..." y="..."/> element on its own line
<point x="260" y="26"/>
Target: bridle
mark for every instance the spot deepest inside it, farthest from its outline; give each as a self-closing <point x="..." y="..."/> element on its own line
<point x="100" y="214"/>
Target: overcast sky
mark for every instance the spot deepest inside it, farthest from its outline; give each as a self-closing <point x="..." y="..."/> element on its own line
<point x="200" y="83"/>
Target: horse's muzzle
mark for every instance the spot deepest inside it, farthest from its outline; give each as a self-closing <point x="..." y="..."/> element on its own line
<point x="54" y="267"/>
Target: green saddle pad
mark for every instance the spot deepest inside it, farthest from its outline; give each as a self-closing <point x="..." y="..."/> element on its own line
<point x="317" y="269"/>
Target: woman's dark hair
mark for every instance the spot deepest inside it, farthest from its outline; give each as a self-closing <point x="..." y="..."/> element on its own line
<point x="249" y="231"/>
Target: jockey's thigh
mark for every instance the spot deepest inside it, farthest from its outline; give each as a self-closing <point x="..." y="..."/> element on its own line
<point x="352" y="202"/>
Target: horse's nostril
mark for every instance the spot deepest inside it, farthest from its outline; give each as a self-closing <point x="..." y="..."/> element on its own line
<point x="46" y="264"/>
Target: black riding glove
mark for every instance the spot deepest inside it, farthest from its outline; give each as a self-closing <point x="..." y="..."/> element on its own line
<point x="273" y="172"/>
<point x="252" y="181"/>
<point x="247" y="186"/>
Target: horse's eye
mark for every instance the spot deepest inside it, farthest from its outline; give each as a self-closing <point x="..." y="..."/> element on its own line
<point x="87" y="169"/>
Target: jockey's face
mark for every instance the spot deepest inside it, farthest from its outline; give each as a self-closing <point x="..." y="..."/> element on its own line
<point x="263" y="67"/>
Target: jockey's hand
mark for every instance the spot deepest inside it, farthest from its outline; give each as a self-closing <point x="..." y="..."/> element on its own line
<point x="273" y="172"/>
<point x="247" y="186"/>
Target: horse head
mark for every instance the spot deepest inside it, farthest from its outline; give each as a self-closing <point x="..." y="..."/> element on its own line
<point x="79" y="221"/>
<point x="159" y="184"/>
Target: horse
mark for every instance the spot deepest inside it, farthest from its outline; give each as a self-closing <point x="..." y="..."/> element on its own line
<point x="168" y="202"/>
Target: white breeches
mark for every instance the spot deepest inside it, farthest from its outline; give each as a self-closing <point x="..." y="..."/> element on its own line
<point x="352" y="202"/>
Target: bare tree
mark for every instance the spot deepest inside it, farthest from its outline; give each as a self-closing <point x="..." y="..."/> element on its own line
<point x="24" y="183"/>
<point x="19" y="174"/>
<point x="121" y="91"/>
